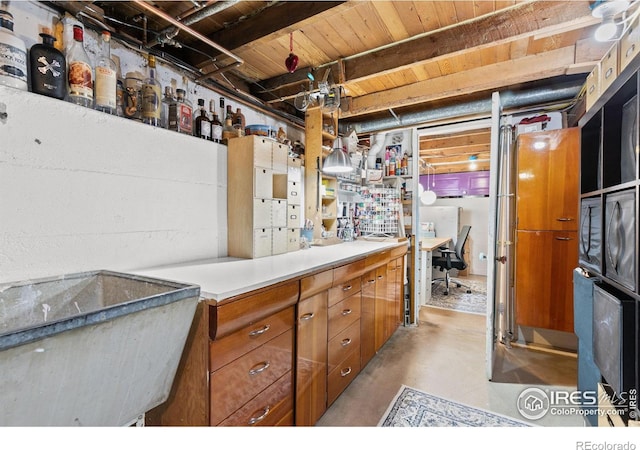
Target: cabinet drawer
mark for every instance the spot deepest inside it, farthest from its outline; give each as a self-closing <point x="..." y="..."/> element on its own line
<point x="279" y="213"/>
<point x="377" y="259"/>
<point x="295" y="169"/>
<point x="628" y="44"/>
<point x="348" y="271"/>
<point x="340" y="377"/>
<point x="343" y="343"/>
<point x="609" y="67"/>
<point x="262" y="151"/>
<point x="294" y="216"/>
<point x="263" y="183"/>
<point x="344" y="290"/>
<point x="294" y="193"/>
<point x="315" y="283"/>
<point x="293" y="239"/>
<point x="592" y="86"/>
<point x="251" y="308"/>
<point x="230" y="348"/>
<point x="273" y="406"/>
<point x="262" y="242"/>
<point x="279" y="242"/>
<point x="262" y="213"/>
<point x="343" y="314"/>
<point x="238" y="382"/>
<point x="280" y="158"/>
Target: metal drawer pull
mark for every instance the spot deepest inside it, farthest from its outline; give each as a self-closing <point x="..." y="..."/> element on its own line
<point x="260" y="331"/>
<point x="345" y="372"/>
<point x="293" y="193"/>
<point x="307" y="316"/>
<point x="346" y="288"/>
<point x="630" y="50"/>
<point x="259" y="368"/>
<point x="371" y="281"/>
<point x="380" y="277"/>
<point x="265" y="413"/>
<point x="346" y="312"/>
<point x="345" y="342"/>
<point x="560" y="238"/>
<point x="609" y="72"/>
<point x="564" y="219"/>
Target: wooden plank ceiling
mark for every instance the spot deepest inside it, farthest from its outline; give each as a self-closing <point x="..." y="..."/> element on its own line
<point x="390" y="58"/>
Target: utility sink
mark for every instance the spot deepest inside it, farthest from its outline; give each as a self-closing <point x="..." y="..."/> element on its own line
<point x="90" y="349"/>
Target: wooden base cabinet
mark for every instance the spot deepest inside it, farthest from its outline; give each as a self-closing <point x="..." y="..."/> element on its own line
<point x="238" y="364"/>
<point x="544" y="278"/>
<point x="311" y="348"/>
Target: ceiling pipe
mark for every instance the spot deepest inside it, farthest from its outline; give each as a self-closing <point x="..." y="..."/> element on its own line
<point x="192" y="16"/>
<point x="478" y="108"/>
<point x="192" y="32"/>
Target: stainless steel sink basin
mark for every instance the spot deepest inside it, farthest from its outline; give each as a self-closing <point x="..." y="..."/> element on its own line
<point x="90" y="349"/>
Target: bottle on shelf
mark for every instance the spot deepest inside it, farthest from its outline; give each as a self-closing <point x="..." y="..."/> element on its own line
<point x="79" y="71"/>
<point x="239" y="122"/>
<point x="167" y="100"/>
<point x="181" y="114"/>
<point x="133" y="95"/>
<point x="216" y="125"/>
<point x="228" y="131"/>
<point x="151" y="96"/>
<point x="119" y="89"/>
<point x="47" y="68"/>
<point x="202" y="125"/>
<point x="106" y="80"/>
<point x="13" y="55"/>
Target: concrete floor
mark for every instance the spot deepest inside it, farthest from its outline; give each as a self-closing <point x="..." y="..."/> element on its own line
<point x="445" y="356"/>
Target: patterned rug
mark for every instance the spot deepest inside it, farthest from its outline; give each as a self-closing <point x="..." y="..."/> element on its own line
<point x="414" y="408"/>
<point x="458" y="299"/>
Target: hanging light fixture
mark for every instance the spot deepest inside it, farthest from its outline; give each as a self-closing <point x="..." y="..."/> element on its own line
<point x="338" y="160"/>
<point x="607" y="10"/>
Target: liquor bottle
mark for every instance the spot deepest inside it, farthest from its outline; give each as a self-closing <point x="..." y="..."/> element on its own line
<point x="216" y="129"/>
<point x="228" y="131"/>
<point x="202" y="125"/>
<point x="151" y="96"/>
<point x="79" y="71"/>
<point x="164" y="109"/>
<point x="181" y="114"/>
<point x="106" y="80"/>
<point x="13" y="55"/>
<point x="133" y="95"/>
<point x="47" y="68"/>
<point x="239" y="122"/>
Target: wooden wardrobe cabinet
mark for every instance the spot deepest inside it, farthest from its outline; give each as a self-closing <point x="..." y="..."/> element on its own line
<point x="547" y="209"/>
<point x="548" y="180"/>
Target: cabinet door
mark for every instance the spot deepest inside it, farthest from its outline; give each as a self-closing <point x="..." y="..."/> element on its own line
<point x="381" y="306"/>
<point x="620" y="238"/>
<point x="311" y="359"/>
<point x="543" y="278"/>
<point x="367" y="318"/>
<point x="548" y="180"/>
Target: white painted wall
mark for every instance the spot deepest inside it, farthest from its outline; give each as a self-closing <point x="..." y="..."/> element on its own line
<point x="82" y="190"/>
<point x="475" y="212"/>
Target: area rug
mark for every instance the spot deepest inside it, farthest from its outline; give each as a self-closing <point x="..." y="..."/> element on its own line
<point x="458" y="298"/>
<point x="414" y="408"/>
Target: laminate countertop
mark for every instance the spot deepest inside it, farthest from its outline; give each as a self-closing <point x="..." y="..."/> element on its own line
<point x="222" y="278"/>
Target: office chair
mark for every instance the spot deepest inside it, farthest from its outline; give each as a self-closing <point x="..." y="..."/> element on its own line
<point x="452" y="259"/>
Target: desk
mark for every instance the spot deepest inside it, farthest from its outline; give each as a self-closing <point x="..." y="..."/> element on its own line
<point x="427" y="245"/>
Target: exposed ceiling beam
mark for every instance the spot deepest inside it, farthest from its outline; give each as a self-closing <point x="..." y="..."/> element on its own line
<point x="494" y="76"/>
